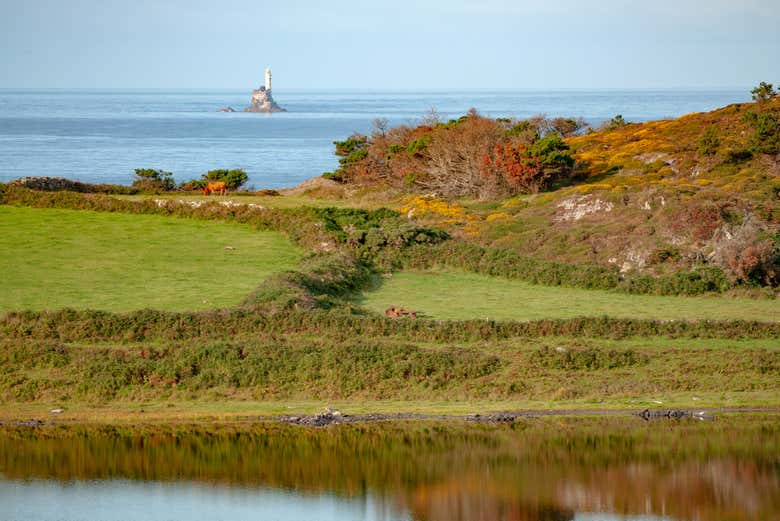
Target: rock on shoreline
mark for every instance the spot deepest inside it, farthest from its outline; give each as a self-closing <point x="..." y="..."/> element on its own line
<point x="335" y="417"/>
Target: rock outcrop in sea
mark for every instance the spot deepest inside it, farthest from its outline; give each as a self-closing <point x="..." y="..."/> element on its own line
<point x="262" y="100"/>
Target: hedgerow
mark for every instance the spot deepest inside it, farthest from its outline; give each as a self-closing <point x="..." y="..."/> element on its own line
<point x="321" y="281"/>
<point x="70" y="325"/>
<point x="509" y="264"/>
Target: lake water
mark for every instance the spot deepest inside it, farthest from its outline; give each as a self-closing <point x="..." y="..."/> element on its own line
<point x="543" y="469"/>
<point x="102" y="136"/>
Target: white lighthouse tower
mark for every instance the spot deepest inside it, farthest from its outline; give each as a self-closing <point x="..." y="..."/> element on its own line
<point x="262" y="101"/>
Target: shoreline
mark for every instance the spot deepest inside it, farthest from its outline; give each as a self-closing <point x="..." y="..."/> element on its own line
<point x="335" y="417"/>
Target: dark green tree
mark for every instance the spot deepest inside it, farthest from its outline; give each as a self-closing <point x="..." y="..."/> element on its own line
<point x="153" y="180"/>
<point x="233" y="179"/>
<point x="617" y="122"/>
<point x="764" y="92"/>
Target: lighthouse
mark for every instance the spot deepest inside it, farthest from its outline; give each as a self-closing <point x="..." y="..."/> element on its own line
<point x="262" y="101"/>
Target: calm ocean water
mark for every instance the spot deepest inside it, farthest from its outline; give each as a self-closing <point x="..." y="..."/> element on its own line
<point x="101" y="136"/>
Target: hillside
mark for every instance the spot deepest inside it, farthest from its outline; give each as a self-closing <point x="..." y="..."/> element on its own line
<point x="647" y="214"/>
<point x="695" y="193"/>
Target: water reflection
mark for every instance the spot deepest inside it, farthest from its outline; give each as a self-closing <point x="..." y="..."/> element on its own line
<point x="541" y="469"/>
<point x="121" y="500"/>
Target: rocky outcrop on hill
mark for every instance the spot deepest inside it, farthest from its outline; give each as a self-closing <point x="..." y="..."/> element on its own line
<point x="262" y="101"/>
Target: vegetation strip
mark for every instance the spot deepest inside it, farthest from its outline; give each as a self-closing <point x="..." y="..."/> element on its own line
<point x="77" y="326"/>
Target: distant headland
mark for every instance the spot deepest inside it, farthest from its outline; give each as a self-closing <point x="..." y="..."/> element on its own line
<point x="262" y="100"/>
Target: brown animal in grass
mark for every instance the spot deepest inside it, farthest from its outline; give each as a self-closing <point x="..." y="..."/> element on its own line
<point x="218" y="187"/>
<point x="395" y="312"/>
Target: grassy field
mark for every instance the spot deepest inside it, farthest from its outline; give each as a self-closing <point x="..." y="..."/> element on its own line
<point x="51" y="259"/>
<point x="453" y="295"/>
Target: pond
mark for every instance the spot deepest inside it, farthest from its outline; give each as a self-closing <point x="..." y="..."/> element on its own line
<point x="533" y="469"/>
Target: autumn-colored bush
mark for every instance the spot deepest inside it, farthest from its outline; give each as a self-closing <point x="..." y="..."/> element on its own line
<point x="749" y="254"/>
<point x="528" y="167"/>
<point x="472" y="156"/>
<point x="757" y="263"/>
<point x="696" y="221"/>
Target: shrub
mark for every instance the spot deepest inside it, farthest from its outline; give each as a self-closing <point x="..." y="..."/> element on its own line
<point x="319" y="282"/>
<point x="232" y="178"/>
<point x="664" y="254"/>
<point x="352" y="150"/>
<point x="151" y="180"/>
<point x="418" y="146"/>
<point x="766" y="132"/>
<point x="616" y="122"/>
<point x="582" y="359"/>
<point x="758" y="263"/>
<point x="193" y="185"/>
<point x="749" y="255"/>
<point x="709" y="141"/>
<point x="763" y="92"/>
<point x="736" y="155"/>
<point x="567" y="127"/>
<point x="528" y="168"/>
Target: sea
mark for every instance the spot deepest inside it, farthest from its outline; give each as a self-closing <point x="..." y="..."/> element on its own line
<point x="101" y="136"/>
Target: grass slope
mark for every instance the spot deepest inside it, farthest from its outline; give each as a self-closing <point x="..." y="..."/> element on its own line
<point x="51" y="259"/>
<point x="455" y="295"/>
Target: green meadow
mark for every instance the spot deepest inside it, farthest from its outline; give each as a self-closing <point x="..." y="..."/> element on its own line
<point x="459" y="295"/>
<point x="304" y="343"/>
<point x="52" y="258"/>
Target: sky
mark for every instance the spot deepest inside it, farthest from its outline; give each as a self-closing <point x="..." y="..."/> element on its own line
<point x="395" y="45"/>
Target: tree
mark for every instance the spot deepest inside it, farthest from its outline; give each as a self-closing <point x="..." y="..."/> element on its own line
<point x="567" y="127"/>
<point x="616" y="122"/>
<point x="232" y="178"/>
<point x="380" y="127"/>
<point x="153" y="180"/>
<point x="453" y="159"/>
<point x="352" y="150"/>
<point x="431" y="118"/>
<point x="764" y="92"/>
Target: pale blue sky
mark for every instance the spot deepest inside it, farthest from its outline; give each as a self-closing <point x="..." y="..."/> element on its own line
<point x="402" y="44"/>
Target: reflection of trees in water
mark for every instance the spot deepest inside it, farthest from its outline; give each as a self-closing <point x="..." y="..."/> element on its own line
<point x="540" y="469"/>
<point x="475" y="497"/>
<point x="717" y="489"/>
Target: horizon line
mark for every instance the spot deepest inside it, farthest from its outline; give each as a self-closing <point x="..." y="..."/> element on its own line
<point x="376" y="89"/>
